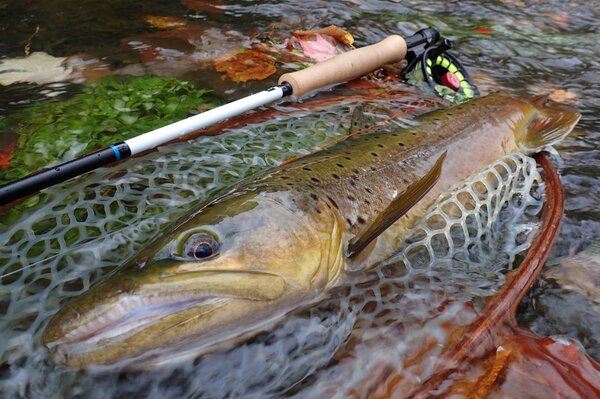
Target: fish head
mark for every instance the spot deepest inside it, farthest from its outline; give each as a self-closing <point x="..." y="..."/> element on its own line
<point x="544" y="123"/>
<point x="215" y="276"/>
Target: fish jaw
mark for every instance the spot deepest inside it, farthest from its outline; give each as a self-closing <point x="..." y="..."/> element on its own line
<point x="156" y="303"/>
<point x="175" y="308"/>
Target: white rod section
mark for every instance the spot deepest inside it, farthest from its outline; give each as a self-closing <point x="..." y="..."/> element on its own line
<point x="154" y="138"/>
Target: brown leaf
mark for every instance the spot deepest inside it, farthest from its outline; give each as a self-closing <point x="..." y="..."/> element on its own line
<point x="337" y="33"/>
<point x="563" y="96"/>
<point x="165" y="22"/>
<point x="246" y="65"/>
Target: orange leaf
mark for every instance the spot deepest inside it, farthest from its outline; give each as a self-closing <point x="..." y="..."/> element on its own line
<point x="563" y="96"/>
<point x="337" y="33"/>
<point x="165" y="22"/>
<point x="246" y="65"/>
<point x="484" y="30"/>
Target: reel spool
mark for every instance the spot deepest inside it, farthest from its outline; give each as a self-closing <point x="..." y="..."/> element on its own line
<point x="441" y="71"/>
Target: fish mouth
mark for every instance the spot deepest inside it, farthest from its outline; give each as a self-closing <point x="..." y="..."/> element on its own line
<point x="179" y="307"/>
<point x="130" y="313"/>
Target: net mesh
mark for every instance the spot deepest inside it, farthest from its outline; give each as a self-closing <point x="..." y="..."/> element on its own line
<point x="79" y="231"/>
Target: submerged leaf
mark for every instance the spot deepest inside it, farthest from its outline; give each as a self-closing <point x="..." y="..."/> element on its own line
<point x="335" y="32"/>
<point x="165" y="22"/>
<point x="321" y="44"/>
<point x="8" y="146"/>
<point x="317" y="47"/>
<point x="246" y="65"/>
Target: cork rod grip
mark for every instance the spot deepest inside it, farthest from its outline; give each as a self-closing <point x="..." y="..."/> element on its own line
<point x="346" y="66"/>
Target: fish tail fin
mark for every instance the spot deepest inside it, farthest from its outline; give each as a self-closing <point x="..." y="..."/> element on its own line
<point x="550" y="124"/>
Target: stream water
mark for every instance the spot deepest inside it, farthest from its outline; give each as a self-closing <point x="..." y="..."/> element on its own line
<point x="515" y="46"/>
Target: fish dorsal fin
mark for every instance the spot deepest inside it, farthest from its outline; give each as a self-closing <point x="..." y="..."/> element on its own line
<point x="396" y="209"/>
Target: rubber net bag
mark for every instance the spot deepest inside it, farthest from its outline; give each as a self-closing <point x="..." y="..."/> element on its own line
<point x="75" y="233"/>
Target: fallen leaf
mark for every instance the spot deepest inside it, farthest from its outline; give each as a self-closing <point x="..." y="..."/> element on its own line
<point x="8" y="146"/>
<point x="483" y="30"/>
<point x="563" y="96"/>
<point x="165" y="22"/>
<point x="337" y="33"/>
<point x="318" y="47"/>
<point x="246" y="65"/>
<point x="86" y="69"/>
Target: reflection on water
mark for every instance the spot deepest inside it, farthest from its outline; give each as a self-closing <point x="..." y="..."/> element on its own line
<point x="509" y="45"/>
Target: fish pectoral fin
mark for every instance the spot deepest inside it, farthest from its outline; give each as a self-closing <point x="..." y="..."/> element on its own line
<point x="396" y="209"/>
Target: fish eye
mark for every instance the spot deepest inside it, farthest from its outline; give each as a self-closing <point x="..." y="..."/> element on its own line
<point x="201" y="246"/>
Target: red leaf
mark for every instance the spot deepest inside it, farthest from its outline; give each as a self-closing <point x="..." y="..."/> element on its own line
<point x="482" y="30"/>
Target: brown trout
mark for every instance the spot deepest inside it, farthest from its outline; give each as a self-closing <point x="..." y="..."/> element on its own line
<point x="281" y="239"/>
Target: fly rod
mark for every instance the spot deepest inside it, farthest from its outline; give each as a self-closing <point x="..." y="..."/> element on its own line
<point x="341" y="68"/>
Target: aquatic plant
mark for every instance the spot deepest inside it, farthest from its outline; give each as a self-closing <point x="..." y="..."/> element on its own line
<point x="104" y="112"/>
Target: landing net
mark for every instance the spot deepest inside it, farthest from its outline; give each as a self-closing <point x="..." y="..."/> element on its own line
<point x="79" y="231"/>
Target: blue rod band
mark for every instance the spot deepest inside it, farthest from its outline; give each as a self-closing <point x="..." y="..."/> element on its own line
<point x="117" y="152"/>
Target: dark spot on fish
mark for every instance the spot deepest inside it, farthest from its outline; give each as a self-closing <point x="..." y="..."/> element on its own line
<point x="351" y="198"/>
<point x="401" y="144"/>
<point x="380" y="145"/>
<point x="374" y="154"/>
<point x="284" y="177"/>
<point x="414" y="134"/>
<point x="373" y="168"/>
<point x="314" y="196"/>
<point x="318" y="210"/>
<point x="367" y="189"/>
<point x="348" y="158"/>
<point x="315" y="180"/>
<point x="335" y="176"/>
<point x="339" y="165"/>
<point x="349" y="221"/>
<point x="333" y="202"/>
<point x="290" y="184"/>
<point x="367" y="202"/>
<point x="355" y="171"/>
<point x="360" y="220"/>
<point x="307" y="169"/>
<point x="395" y="134"/>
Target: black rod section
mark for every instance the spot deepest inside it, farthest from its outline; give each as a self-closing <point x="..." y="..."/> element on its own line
<point x="57" y="174"/>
